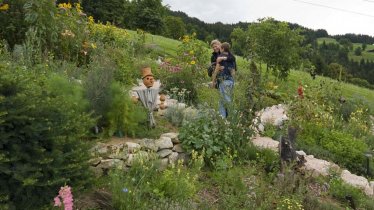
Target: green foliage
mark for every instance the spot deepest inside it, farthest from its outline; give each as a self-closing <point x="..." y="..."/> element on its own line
<point x="97" y="86"/>
<point x="140" y="14"/>
<point x="112" y="11"/>
<point x="13" y="25"/>
<point x="43" y="124"/>
<point x="123" y="115"/>
<point x="275" y="44"/>
<point x="336" y="71"/>
<point x="289" y="204"/>
<point x="193" y="55"/>
<point x="238" y="39"/>
<point x="342" y="147"/>
<point x="361" y="82"/>
<point x="211" y="136"/>
<point x="232" y="189"/>
<point x="180" y="85"/>
<point x="174" y="27"/>
<point x="340" y="190"/>
<point x="144" y="186"/>
<point x="358" y="51"/>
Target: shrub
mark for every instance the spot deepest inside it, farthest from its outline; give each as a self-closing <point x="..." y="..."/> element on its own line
<point x="181" y="86"/>
<point x="144" y="186"/>
<point x="43" y="124"/>
<point x="209" y="134"/>
<point x="342" y="147"/>
<point x="123" y="115"/>
<point x="340" y="190"/>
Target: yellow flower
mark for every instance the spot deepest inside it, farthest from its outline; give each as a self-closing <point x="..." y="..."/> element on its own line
<point x="91" y="20"/>
<point x="4" y="7"/>
<point x="193" y="62"/>
<point x="93" y="46"/>
<point x="192" y="52"/>
<point x="78" y="7"/>
<point x="64" y="5"/>
<point x="186" y="38"/>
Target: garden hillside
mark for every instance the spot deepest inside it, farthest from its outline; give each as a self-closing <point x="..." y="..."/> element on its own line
<point x="73" y="135"/>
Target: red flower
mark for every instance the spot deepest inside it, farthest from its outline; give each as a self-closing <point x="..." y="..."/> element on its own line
<point x="300" y="91"/>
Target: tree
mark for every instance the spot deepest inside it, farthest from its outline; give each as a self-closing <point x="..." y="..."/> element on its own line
<point x="358" y="51"/>
<point x="13" y="26"/>
<point x="238" y="39"/>
<point x="148" y="15"/>
<point x="42" y="136"/>
<point x="114" y="11"/>
<point x="336" y="71"/>
<point x="174" y="27"/>
<point x="275" y="44"/>
<point x="364" y="45"/>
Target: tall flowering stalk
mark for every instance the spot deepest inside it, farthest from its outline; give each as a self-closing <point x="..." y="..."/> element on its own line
<point x="66" y="196"/>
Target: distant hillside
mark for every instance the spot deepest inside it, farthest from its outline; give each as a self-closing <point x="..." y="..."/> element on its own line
<point x="367" y="54"/>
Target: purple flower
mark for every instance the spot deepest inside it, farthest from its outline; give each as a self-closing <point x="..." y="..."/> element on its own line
<point x="125" y="190"/>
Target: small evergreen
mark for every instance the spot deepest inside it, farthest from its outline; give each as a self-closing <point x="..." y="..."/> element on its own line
<point x="42" y="124"/>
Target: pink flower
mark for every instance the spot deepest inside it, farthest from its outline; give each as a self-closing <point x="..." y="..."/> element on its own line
<point x="57" y="201"/>
<point x="66" y="196"/>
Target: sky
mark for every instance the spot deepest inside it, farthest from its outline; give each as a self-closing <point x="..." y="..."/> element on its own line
<point x="335" y="16"/>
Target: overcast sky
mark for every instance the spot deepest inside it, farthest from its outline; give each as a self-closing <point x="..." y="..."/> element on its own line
<point x="336" y="16"/>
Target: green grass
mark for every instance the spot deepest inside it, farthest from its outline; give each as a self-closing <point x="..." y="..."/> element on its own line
<point x="163" y="45"/>
<point x="365" y="54"/>
<point x="327" y="40"/>
<point x="349" y="91"/>
<point x="351" y="55"/>
<point x="170" y="46"/>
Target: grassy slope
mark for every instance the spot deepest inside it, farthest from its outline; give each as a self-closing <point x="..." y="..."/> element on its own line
<point x="169" y="47"/>
<point x="365" y="54"/>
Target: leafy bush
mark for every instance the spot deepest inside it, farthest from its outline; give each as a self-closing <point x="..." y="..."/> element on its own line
<point x="211" y="135"/>
<point x="43" y="124"/>
<point x="144" y="186"/>
<point x="342" y="147"/>
<point x="181" y="85"/>
<point x="340" y="190"/>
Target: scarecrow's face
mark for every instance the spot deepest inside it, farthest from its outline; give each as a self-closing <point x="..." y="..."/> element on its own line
<point x="148" y="81"/>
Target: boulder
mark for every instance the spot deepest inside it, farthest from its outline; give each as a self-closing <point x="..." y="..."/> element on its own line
<point x="172" y="136"/>
<point x="110" y="163"/>
<point x="266" y="143"/>
<point x="164" y="143"/>
<point x="357" y="181"/>
<point x="148" y="144"/>
<point x="184" y="157"/>
<point x="164" y="153"/>
<point x="318" y="166"/>
<point x="99" y="149"/>
<point x="173" y="158"/>
<point x="95" y="161"/>
<point x="141" y="155"/>
<point x="178" y="148"/>
<point x="132" y="147"/>
<point x="301" y="153"/>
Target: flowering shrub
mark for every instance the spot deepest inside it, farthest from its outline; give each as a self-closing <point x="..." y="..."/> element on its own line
<point x="193" y="55"/>
<point x="74" y="34"/>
